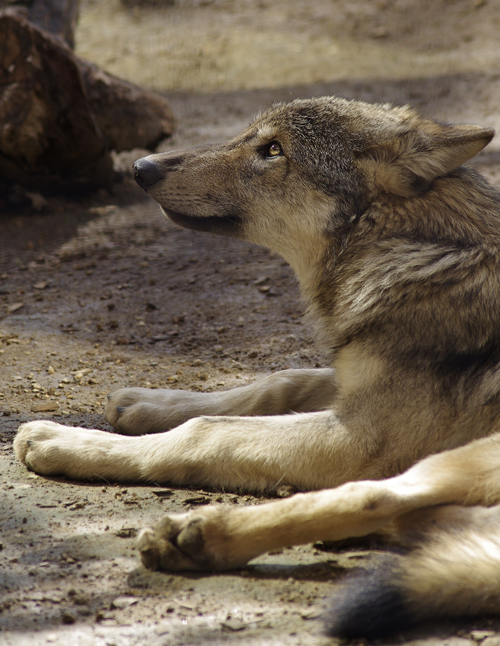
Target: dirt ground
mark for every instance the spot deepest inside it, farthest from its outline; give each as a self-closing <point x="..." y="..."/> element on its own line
<point x="103" y="292"/>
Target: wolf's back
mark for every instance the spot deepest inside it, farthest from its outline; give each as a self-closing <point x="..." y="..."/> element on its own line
<point x="456" y="573"/>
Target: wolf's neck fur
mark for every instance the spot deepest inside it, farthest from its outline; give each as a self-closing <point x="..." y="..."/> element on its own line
<point x="405" y="254"/>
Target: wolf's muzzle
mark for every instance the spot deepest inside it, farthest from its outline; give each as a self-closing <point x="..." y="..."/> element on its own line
<point x="146" y="172"/>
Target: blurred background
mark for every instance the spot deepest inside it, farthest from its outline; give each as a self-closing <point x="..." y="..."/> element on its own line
<point x="215" y="45"/>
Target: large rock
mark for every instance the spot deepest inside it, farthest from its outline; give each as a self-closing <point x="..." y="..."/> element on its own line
<point x="61" y="116"/>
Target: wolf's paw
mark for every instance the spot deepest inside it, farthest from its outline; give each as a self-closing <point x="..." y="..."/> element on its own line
<point x="192" y="541"/>
<point x="53" y="449"/>
<point x="132" y="411"/>
<point x="35" y="439"/>
<point x="137" y="411"/>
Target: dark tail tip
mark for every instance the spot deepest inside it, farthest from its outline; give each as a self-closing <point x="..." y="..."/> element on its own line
<point x="370" y="605"/>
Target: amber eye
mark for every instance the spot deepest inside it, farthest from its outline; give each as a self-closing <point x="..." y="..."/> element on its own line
<point x="274" y="149"/>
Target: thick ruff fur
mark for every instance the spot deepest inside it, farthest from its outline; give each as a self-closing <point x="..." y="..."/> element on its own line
<point x="396" y="248"/>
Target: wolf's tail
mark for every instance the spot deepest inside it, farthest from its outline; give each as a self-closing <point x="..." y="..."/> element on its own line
<point x="455" y="574"/>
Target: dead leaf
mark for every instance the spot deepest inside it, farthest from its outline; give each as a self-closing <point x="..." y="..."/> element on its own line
<point x="123" y="602"/>
<point x="234" y="624"/>
<point x="14" y="307"/>
<point x="163" y="493"/>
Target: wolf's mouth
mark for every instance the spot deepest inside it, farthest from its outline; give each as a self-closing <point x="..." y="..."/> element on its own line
<point x="224" y="225"/>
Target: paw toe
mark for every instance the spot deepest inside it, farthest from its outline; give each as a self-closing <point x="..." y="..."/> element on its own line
<point x="27" y="434"/>
<point x="191" y="539"/>
<point x="157" y="553"/>
<point x="148" y="549"/>
<point x="173" y="545"/>
<point x="118" y="403"/>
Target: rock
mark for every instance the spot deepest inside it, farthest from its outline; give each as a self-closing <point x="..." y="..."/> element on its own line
<point x="60" y="116"/>
<point x="49" y="139"/>
<point x="128" y="116"/>
<point x="123" y="602"/>
<point x="45" y="407"/>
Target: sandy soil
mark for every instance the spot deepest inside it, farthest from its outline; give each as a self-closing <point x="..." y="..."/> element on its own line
<point x="104" y="292"/>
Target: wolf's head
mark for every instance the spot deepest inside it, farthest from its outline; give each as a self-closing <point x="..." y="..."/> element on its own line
<point x="303" y="172"/>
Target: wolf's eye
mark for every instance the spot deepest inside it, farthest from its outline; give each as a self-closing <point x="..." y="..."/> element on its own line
<point x="274" y="149"/>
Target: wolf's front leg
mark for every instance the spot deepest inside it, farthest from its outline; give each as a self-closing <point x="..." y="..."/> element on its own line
<point x="307" y="451"/>
<point x="135" y="411"/>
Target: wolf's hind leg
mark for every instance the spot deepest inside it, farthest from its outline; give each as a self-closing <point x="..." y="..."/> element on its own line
<point x="224" y="538"/>
<point x="221" y="538"/>
<point x="135" y="411"/>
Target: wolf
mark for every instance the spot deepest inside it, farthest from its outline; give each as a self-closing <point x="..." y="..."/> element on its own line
<point x="396" y="247"/>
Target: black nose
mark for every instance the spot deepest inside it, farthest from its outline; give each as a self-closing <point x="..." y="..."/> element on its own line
<point x="146" y="172"/>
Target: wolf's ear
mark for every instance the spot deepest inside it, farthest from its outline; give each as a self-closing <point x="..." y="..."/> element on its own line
<point x="406" y="164"/>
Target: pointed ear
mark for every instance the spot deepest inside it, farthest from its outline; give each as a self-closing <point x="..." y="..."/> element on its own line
<point x="447" y="150"/>
<point x="408" y="163"/>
